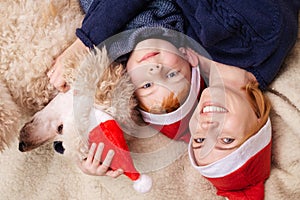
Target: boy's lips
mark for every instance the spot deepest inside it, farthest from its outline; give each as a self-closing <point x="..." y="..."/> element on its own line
<point x="148" y="55"/>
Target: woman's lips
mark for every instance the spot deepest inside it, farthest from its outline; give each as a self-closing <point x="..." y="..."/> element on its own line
<point x="149" y="55"/>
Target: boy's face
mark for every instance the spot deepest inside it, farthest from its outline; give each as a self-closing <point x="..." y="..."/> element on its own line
<point x="158" y="69"/>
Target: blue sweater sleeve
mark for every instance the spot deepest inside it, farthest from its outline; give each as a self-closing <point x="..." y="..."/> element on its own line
<point x="106" y="18"/>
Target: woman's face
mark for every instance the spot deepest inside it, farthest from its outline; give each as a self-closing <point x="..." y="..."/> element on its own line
<point x="221" y="122"/>
<point x="157" y="69"/>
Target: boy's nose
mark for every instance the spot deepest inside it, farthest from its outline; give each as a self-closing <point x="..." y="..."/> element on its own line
<point x="155" y="69"/>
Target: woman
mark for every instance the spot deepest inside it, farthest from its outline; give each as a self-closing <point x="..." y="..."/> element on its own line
<point x="231" y="133"/>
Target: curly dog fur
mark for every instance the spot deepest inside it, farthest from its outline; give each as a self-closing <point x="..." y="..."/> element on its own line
<point x="25" y="58"/>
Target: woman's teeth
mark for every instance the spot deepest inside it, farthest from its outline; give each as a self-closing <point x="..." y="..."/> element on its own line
<point x="214" y="109"/>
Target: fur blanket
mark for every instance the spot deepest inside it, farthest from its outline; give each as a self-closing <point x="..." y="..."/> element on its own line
<point x="32" y="33"/>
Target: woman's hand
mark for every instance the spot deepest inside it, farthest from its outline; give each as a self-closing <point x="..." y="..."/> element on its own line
<point x="56" y="73"/>
<point x="92" y="165"/>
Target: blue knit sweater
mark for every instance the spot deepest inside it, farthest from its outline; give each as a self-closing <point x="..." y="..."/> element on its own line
<point x="255" y="35"/>
<point x="105" y="18"/>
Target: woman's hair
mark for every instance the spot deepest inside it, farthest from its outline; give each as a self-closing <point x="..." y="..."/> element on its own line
<point x="260" y="103"/>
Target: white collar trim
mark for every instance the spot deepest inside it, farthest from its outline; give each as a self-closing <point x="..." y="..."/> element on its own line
<point x="182" y="111"/>
<point x="236" y="159"/>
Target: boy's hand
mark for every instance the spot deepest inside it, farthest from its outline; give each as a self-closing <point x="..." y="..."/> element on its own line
<point x="92" y="165"/>
<point x="68" y="57"/>
<point x="56" y="76"/>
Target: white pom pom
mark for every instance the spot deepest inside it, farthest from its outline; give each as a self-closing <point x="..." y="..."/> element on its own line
<point x="143" y="184"/>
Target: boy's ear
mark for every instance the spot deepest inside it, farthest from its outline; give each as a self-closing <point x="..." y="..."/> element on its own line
<point x="190" y="55"/>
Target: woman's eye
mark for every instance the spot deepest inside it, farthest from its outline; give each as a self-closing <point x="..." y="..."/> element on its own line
<point x="172" y="74"/>
<point x="227" y="140"/>
<point x="147" y="85"/>
<point x="199" y="140"/>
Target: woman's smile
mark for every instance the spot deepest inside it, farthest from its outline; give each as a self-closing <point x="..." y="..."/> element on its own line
<point x="214" y="109"/>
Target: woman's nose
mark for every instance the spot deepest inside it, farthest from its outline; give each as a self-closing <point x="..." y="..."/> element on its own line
<point x="209" y="125"/>
<point x="155" y="69"/>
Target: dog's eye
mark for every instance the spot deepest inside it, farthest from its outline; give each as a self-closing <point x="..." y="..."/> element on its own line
<point x="60" y="129"/>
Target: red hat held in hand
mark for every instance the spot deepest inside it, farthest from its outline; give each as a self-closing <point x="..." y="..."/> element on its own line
<point x="110" y="134"/>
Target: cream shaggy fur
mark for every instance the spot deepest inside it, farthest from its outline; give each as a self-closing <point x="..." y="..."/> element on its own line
<point x="32" y="33"/>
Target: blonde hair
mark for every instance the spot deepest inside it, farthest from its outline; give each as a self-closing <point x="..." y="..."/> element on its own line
<point x="260" y="103"/>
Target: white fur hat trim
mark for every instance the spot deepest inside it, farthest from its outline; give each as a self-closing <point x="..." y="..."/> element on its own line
<point x="143" y="184"/>
<point x="96" y="117"/>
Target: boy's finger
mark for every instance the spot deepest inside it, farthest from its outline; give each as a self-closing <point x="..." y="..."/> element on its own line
<point x="59" y="83"/>
<point x="64" y="88"/>
<point x="50" y="72"/>
<point x="114" y="174"/>
<point x="98" y="153"/>
<point x="91" y="153"/>
<point x="108" y="158"/>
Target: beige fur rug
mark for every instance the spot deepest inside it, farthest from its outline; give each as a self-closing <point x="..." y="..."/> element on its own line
<point x="31" y="35"/>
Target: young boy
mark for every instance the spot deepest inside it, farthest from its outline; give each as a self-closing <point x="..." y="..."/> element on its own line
<point x="166" y="76"/>
<point x="167" y="81"/>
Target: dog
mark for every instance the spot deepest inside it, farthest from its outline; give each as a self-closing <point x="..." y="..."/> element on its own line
<point x="97" y="82"/>
<point x="47" y="123"/>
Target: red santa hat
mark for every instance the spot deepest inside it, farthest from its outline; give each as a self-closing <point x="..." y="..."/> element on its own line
<point x="175" y="124"/>
<point x="110" y="134"/>
<point x="241" y="174"/>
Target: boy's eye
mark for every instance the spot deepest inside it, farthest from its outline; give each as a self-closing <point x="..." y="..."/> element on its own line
<point x="199" y="140"/>
<point x="172" y="74"/>
<point x="147" y="85"/>
<point x="227" y="140"/>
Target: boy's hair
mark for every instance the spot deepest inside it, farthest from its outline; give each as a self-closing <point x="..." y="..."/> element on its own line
<point x="168" y="105"/>
<point x="260" y="103"/>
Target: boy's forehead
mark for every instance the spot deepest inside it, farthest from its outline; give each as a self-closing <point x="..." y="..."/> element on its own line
<point x="154" y="43"/>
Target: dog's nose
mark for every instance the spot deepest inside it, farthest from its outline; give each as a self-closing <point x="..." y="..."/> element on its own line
<point x="22" y="146"/>
<point x="58" y="147"/>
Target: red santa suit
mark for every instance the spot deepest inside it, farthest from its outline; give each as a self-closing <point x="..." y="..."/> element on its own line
<point x="103" y="128"/>
<point x="241" y="174"/>
<point x="175" y="124"/>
